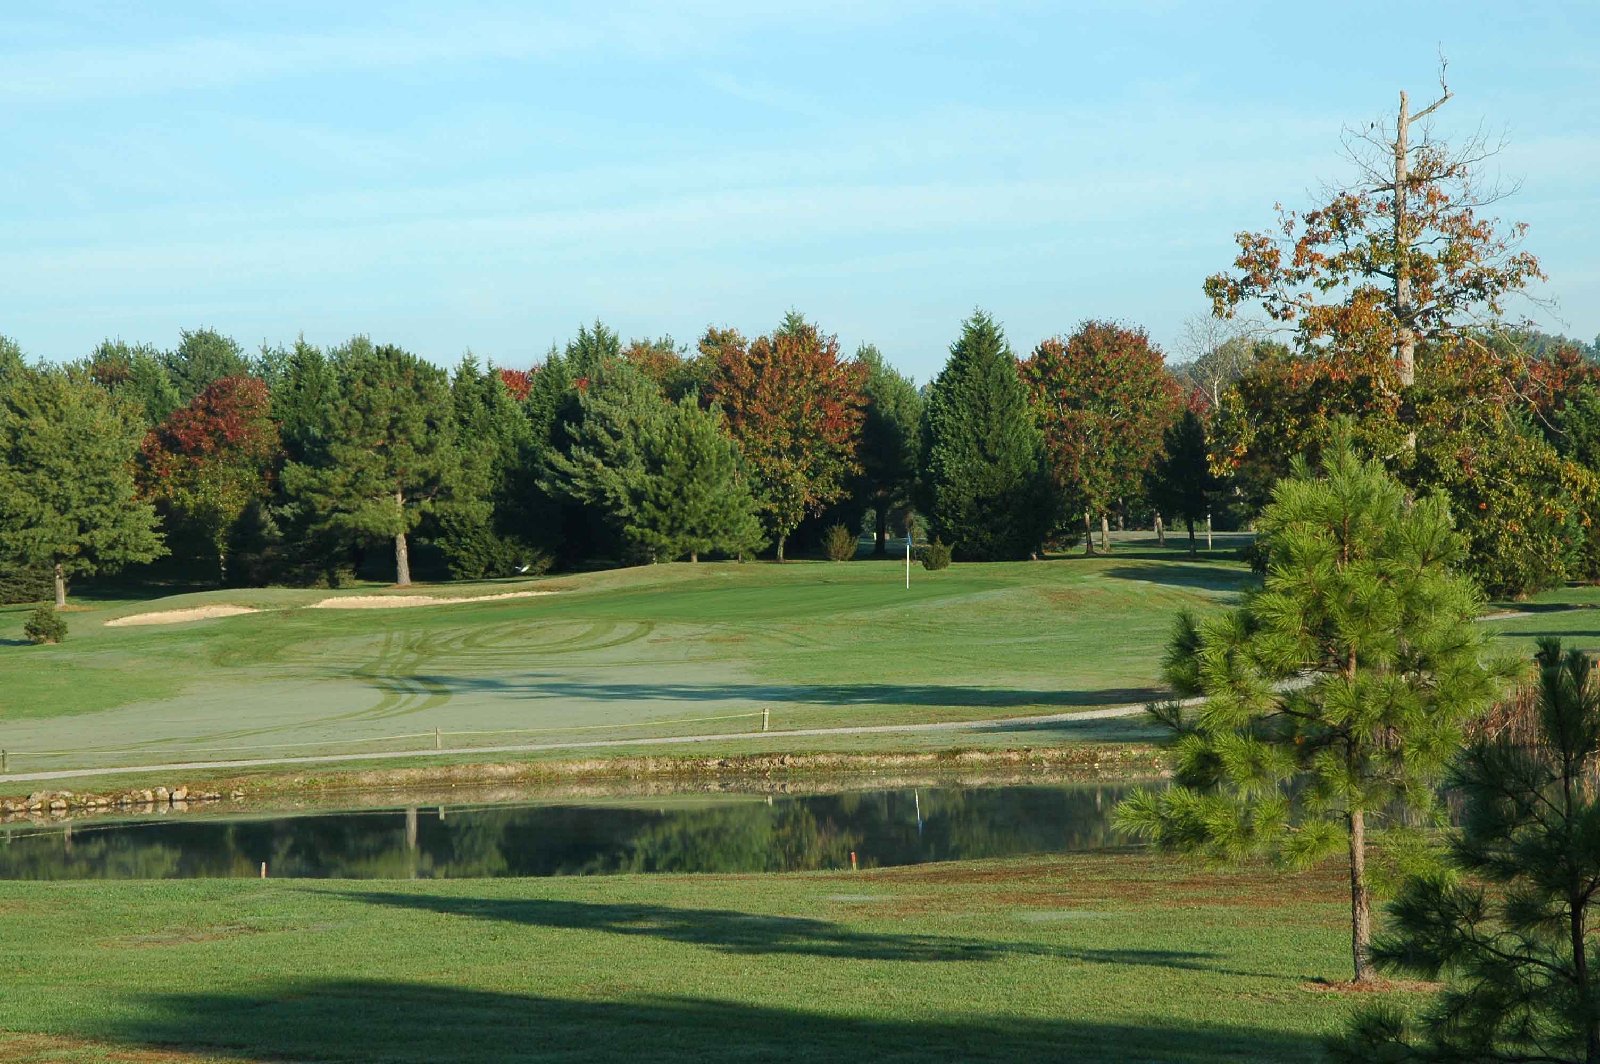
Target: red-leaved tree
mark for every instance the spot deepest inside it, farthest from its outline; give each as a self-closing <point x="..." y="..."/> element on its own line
<point x="795" y="408"/>
<point x="1103" y="399"/>
<point x="209" y="460"/>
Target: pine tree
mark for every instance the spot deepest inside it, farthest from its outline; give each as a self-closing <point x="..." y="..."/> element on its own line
<point x="203" y="357"/>
<point x="1336" y="694"/>
<point x="695" y="497"/>
<point x="388" y="455"/>
<point x="68" y="502"/>
<point x="891" y="441"/>
<point x="1515" y="936"/>
<point x="1181" y="482"/>
<point x="985" y="488"/>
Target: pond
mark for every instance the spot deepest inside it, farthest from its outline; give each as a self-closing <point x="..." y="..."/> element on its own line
<point x="745" y="833"/>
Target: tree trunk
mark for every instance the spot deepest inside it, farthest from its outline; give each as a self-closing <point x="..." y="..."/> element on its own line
<point x="1105" y="534"/>
<point x="1194" y="549"/>
<point x="880" y="549"/>
<point x="1405" y="339"/>
<point x="61" y="587"/>
<point x="694" y="556"/>
<point x="1360" y="900"/>
<point x="1088" y="535"/>
<point x="781" y="540"/>
<point x="222" y="567"/>
<point x="1208" y="532"/>
<point x="402" y="553"/>
<point x="1161" y="532"/>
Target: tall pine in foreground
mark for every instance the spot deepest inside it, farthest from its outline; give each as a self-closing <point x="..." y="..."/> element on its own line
<point x="985" y="488"/>
<point x="1515" y="937"/>
<point x="68" y="502"/>
<point x="389" y="453"/>
<point x="891" y="440"/>
<point x="1335" y="695"/>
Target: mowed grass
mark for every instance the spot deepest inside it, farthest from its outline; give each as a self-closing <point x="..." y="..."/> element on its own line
<point x="659" y="650"/>
<point x="1105" y="957"/>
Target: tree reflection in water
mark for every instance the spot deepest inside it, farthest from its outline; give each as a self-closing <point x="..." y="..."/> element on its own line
<point x="758" y="834"/>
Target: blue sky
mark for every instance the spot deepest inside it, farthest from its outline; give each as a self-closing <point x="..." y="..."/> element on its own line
<point x="488" y="176"/>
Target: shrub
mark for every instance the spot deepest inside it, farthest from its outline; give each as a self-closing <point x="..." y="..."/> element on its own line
<point x="936" y="555"/>
<point x="45" y="626"/>
<point x="839" y="543"/>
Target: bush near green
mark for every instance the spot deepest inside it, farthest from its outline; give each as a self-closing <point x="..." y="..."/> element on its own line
<point x="45" y="626"/>
<point x="936" y="555"/>
<point x="839" y="543"/>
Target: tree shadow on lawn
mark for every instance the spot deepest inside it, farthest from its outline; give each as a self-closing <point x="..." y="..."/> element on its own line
<point x="1199" y="575"/>
<point x="536" y="685"/>
<point x="730" y="931"/>
<point x="380" y="1020"/>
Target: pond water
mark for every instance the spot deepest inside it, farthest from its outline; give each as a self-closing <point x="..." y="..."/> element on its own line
<point x="748" y="833"/>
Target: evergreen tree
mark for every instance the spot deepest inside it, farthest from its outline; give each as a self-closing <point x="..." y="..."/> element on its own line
<point x="483" y="537"/>
<point x="891" y="441"/>
<point x="203" y="357"/>
<point x="1336" y="694"/>
<point x="1515" y="936"/>
<point x="68" y="503"/>
<point x="389" y="455"/>
<point x="138" y="373"/>
<point x="985" y="488"/>
<point x="592" y="349"/>
<point x="1181" y="482"/>
<point x="695" y="497"/>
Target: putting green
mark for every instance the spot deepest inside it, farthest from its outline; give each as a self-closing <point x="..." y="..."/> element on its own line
<point x="659" y="650"/>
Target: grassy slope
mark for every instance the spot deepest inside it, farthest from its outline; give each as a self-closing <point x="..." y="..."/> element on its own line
<point x="819" y="644"/>
<point x="1084" y="958"/>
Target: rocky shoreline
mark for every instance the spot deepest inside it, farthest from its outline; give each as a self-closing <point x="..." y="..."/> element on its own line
<point x="45" y="805"/>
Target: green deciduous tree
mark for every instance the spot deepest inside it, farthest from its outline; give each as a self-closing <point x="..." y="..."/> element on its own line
<point x="795" y="409"/>
<point x="389" y="453"/>
<point x="68" y="500"/>
<point x="891" y="441"/>
<point x="1336" y="694"/>
<point x="1514" y="935"/>
<point x="1102" y="398"/>
<point x="985" y="487"/>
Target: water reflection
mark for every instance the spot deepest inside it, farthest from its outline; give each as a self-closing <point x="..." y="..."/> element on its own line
<point x="762" y="834"/>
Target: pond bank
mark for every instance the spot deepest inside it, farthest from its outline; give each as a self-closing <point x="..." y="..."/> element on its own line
<point x="760" y="773"/>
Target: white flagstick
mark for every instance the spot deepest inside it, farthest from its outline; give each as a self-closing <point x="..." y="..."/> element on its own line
<point x="908" y="561"/>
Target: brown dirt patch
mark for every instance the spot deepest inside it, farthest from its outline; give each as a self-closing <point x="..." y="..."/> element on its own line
<point x="54" y="1049"/>
<point x="1378" y="986"/>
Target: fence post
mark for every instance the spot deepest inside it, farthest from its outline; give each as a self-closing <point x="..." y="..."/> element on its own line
<point x="3" y="758"/>
<point x="438" y="740"/>
<point x="766" y="718"/>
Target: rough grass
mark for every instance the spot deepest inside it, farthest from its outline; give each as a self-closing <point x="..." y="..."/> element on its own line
<point x="1086" y="958"/>
<point x="639" y="652"/>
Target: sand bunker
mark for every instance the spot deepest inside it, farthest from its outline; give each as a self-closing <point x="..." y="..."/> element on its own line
<point x="395" y="602"/>
<point x="199" y="613"/>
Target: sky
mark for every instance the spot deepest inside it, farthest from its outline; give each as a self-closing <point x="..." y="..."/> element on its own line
<point x="488" y="176"/>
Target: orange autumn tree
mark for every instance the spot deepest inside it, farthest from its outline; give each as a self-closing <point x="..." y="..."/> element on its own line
<point x="210" y="460"/>
<point x="1401" y="257"/>
<point x="795" y="408"/>
<point x="1103" y="399"/>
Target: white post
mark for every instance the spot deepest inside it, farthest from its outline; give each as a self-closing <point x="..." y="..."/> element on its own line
<point x="766" y="718"/>
<point x="908" y="561"/>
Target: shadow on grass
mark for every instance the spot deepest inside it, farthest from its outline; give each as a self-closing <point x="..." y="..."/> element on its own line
<point x="1205" y="577"/>
<point x="375" y="1020"/>
<point x="866" y="694"/>
<point x="731" y="931"/>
